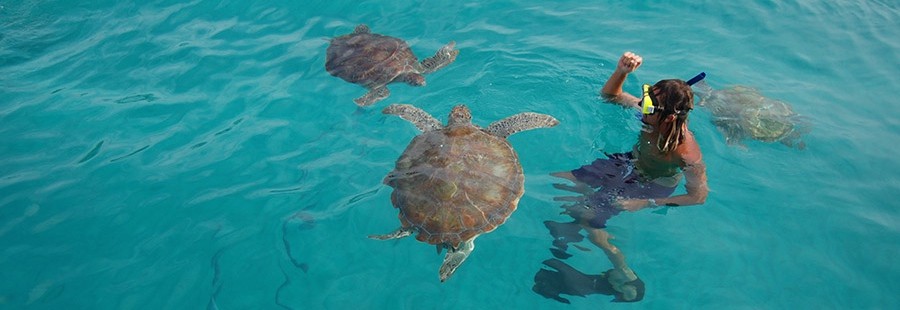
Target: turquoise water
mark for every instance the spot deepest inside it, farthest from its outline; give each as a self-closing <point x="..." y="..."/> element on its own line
<point x="191" y="154"/>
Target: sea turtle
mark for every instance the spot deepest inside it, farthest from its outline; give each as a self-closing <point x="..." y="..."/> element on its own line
<point x="742" y="112"/>
<point x="456" y="182"/>
<point x="373" y="61"/>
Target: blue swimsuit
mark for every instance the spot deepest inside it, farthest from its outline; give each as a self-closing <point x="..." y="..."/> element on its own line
<point x="615" y="176"/>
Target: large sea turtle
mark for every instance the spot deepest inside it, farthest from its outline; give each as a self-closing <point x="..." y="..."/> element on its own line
<point x="373" y="61"/>
<point x="741" y="112"/>
<point x="456" y="182"/>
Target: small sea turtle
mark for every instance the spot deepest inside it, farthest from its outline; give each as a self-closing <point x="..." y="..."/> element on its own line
<point x="742" y="112"/>
<point x="456" y="182"/>
<point x="373" y="61"/>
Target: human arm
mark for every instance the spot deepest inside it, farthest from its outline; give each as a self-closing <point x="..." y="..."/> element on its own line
<point x="694" y="170"/>
<point x="612" y="89"/>
<point x="695" y="184"/>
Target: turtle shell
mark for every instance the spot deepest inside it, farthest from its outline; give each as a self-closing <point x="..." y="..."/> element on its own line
<point x="770" y="122"/>
<point x="369" y="59"/>
<point x="456" y="183"/>
<point x="743" y="112"/>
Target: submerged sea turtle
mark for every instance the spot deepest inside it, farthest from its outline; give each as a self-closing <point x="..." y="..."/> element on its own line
<point x="742" y="112"/>
<point x="456" y="182"/>
<point x="373" y="61"/>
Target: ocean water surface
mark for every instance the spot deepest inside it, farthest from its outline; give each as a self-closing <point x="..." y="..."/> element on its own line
<point x="196" y="154"/>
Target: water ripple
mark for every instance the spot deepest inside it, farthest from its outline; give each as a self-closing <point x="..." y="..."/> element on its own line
<point x="141" y="138"/>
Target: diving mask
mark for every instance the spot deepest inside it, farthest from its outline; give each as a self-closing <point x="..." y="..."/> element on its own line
<point x="648" y="101"/>
<point x="649" y="104"/>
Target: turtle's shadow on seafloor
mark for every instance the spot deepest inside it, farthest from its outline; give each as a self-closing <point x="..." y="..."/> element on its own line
<point x="562" y="278"/>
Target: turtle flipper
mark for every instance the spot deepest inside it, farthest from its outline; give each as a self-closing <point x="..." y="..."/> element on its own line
<point x="455" y="257"/>
<point x="413" y="79"/>
<point x="703" y="90"/>
<point x="374" y="95"/>
<point x="520" y="122"/>
<point x="424" y="121"/>
<point x="399" y="233"/>
<point x="442" y="58"/>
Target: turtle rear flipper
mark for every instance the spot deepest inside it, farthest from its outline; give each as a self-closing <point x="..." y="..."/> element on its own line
<point x="442" y="58"/>
<point x="423" y="121"/>
<point x="396" y="234"/>
<point x="794" y="140"/>
<point x="520" y="122"/>
<point x="374" y="95"/>
<point x="455" y="257"/>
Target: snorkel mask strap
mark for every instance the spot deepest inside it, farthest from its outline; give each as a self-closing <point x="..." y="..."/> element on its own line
<point x="697" y="78"/>
<point x="648" y="101"/>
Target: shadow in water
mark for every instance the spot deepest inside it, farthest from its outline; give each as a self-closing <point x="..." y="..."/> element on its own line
<point x="562" y="279"/>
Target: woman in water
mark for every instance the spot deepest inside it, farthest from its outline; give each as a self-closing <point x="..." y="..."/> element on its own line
<point x="647" y="176"/>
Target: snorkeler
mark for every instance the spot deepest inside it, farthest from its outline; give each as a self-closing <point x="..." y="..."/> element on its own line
<point x="647" y="176"/>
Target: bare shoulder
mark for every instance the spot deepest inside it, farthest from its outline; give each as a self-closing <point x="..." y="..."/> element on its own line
<point x="690" y="150"/>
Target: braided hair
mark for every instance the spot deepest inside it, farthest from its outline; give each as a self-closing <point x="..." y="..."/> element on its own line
<point x="679" y="100"/>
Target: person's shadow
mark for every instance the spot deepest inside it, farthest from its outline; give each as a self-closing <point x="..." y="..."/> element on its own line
<point x="562" y="279"/>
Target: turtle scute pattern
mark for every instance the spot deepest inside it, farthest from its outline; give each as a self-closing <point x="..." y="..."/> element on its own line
<point x="457" y="181"/>
<point x="455" y="184"/>
<point x="369" y="59"/>
<point x="742" y="112"/>
<point x="373" y="61"/>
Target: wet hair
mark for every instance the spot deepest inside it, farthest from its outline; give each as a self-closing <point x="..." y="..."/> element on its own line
<point x="678" y="99"/>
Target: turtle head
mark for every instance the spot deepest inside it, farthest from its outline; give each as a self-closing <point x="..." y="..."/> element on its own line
<point x="460" y="115"/>
<point x="361" y="28"/>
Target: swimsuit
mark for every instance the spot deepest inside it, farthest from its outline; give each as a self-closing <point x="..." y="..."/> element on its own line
<point x="615" y="176"/>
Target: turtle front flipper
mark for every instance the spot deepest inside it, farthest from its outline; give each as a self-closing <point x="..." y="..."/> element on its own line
<point x="424" y="121"/>
<point x="397" y="234"/>
<point x="454" y="258"/>
<point x="731" y="130"/>
<point x="520" y="122"/>
<point x="442" y="58"/>
<point x="374" y="95"/>
<point x="703" y="90"/>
